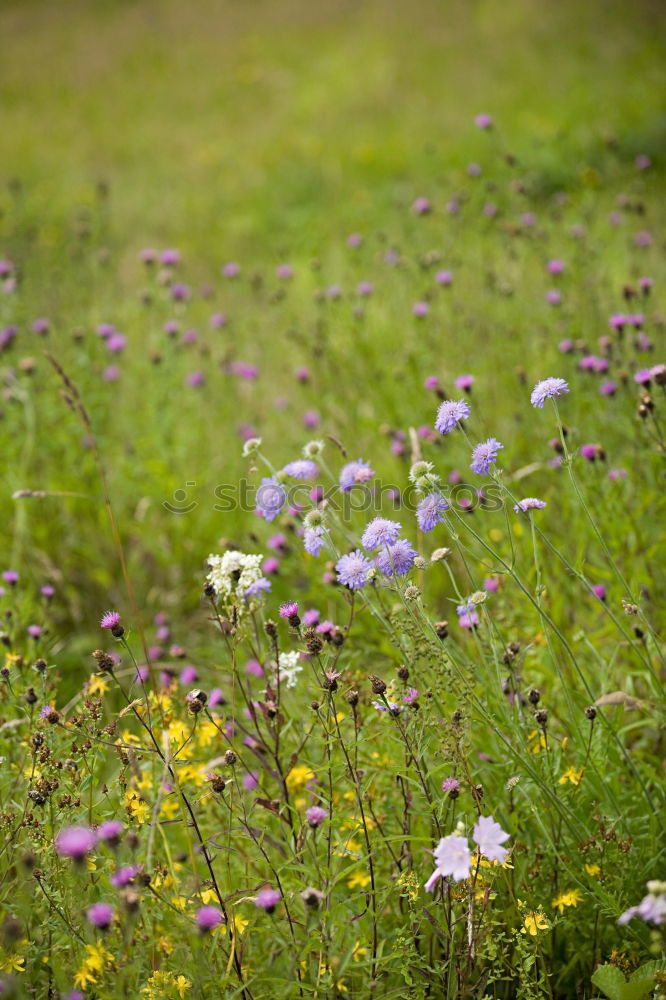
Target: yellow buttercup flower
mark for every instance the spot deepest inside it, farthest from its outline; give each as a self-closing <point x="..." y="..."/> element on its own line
<point x="298" y="777"/>
<point x="358" y="879"/>
<point x="358" y="952"/>
<point x="572" y="775"/>
<point x="537" y="741"/>
<point x="97" y="685"/>
<point x="535" y="921"/>
<point x="593" y="870"/>
<point x="571" y="897"/>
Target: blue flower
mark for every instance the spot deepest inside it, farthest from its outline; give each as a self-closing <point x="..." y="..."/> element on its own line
<point x="380" y="531"/>
<point x="353" y="570"/>
<point x="485" y="455"/>
<point x="270" y="499"/>
<point x="313" y="540"/>
<point x="430" y="511"/>
<point x="547" y="389"/>
<point x="450" y="413"/>
<point x="398" y="558"/>
<point x="302" y="468"/>
<point x="353" y="473"/>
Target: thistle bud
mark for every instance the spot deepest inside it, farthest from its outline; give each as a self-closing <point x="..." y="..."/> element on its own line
<point x="378" y="685"/>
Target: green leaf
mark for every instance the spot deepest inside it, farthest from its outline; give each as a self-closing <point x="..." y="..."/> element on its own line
<point x="610" y="981"/>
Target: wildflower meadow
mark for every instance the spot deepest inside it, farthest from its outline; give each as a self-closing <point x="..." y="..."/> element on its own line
<point x="333" y="427"/>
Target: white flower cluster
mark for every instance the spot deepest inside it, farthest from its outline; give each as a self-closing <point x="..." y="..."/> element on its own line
<point x="289" y="665"/>
<point x="233" y="573"/>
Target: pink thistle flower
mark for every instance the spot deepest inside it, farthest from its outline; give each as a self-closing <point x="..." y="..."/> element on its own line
<point x="100" y="915"/>
<point x="267" y="900"/>
<point x="316" y="816"/>
<point x="110" y="619"/>
<point x="75" y="842"/>
<point x="208" y="917"/>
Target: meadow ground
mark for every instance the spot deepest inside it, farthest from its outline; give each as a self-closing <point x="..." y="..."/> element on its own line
<point x="362" y="233"/>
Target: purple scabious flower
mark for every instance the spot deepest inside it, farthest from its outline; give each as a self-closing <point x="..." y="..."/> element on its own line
<point x="270" y="499"/>
<point x="430" y="511"/>
<point x="302" y="468"/>
<point x="452" y="858"/>
<point x="111" y="619"/>
<point x="529" y="503"/>
<point x="109" y="832"/>
<point x="75" y="842"/>
<point x="100" y="915"/>
<point x="396" y="559"/>
<point x="353" y="473"/>
<point x="208" y="917"/>
<point x="313" y="540"/>
<point x="488" y="836"/>
<point x="260" y="586"/>
<point x="380" y="531"/>
<point x="450" y="413"/>
<point x="352" y="570"/>
<point x="548" y="388"/>
<point x="485" y="455"/>
<point x="651" y="909"/>
<point x="316" y="815"/>
<point x="267" y="900"/>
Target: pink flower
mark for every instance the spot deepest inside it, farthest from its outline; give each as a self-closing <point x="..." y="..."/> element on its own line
<point x="267" y="900"/>
<point x="316" y="815"/>
<point x="208" y="917"/>
<point x="75" y="842"/>
<point x="110" y="619"/>
<point x="452" y="857"/>
<point x="488" y="836"/>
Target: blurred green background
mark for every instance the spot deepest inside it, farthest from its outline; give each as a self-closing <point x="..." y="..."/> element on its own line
<point x="266" y="132"/>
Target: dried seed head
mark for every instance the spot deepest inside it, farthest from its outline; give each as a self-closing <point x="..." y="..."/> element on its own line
<point x="378" y="685"/>
<point x="541" y="717"/>
<point x="442" y="629"/>
<point x="312" y="898"/>
<point x="534" y="696"/>
<point x="403" y="672"/>
<point x="271" y="629"/>
<point x="194" y="706"/>
<point x="230" y="758"/>
<point x="105" y="663"/>
<point x="352" y="698"/>
<point x="590" y="713"/>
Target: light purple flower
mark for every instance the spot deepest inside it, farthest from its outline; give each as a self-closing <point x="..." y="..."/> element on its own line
<point x="464" y="382"/>
<point x="483" y="121"/>
<point x="313" y="540"/>
<point x="488" y="836"/>
<point x="270" y="499"/>
<point x="410" y="696"/>
<point x="110" y="832"/>
<point x="529" y="503"/>
<point x="380" y="531"/>
<point x="452" y="858"/>
<point x="430" y="511"/>
<point x="651" y="909"/>
<point x="396" y="559"/>
<point x="420" y="309"/>
<point x="548" y="388"/>
<point x="444" y="277"/>
<point x="450" y="785"/>
<point x="450" y="413"/>
<point x="352" y="570"/>
<point x="302" y="468"/>
<point x="353" y="473"/>
<point x="485" y="455"/>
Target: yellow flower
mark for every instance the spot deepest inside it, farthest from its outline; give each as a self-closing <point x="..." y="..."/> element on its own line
<point x="13" y="963"/>
<point x="572" y="775"/>
<point x="180" y="902"/>
<point x="170" y="808"/>
<point x="298" y="777"/>
<point x="97" y="685"/>
<point x="139" y="809"/>
<point x="91" y="864"/>
<point x="358" y="878"/>
<point x="208" y="896"/>
<point x="358" y="952"/>
<point x="340" y="986"/>
<point x="84" y="976"/>
<point x="593" y="870"/>
<point x="182" y="984"/>
<point x="536" y="741"/>
<point x="571" y="897"/>
<point x="535" y="921"/>
<point x="206" y="733"/>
